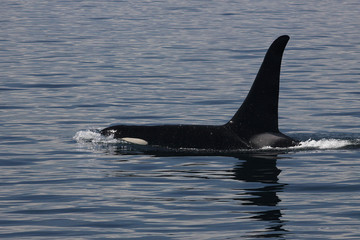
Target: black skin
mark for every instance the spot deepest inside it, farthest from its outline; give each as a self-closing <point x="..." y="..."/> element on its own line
<point x="198" y="137"/>
<point x="255" y="124"/>
<point x="182" y="136"/>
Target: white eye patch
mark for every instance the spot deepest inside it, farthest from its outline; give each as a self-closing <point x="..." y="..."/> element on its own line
<point x="135" y="140"/>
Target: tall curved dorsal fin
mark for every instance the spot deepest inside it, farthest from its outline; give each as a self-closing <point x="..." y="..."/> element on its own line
<point x="259" y="111"/>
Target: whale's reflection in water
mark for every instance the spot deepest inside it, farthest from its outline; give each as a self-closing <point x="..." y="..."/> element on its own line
<point x="262" y="169"/>
<point x="261" y="197"/>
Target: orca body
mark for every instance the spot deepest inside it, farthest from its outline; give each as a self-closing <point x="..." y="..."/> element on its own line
<point x="254" y="125"/>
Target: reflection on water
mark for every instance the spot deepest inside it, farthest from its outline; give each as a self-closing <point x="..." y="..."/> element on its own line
<point x="262" y="169"/>
<point x="252" y="168"/>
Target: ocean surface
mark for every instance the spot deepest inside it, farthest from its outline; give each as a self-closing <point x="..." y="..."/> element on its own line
<point x="70" y="68"/>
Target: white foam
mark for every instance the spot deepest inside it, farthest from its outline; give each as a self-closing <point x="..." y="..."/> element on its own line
<point x="93" y="136"/>
<point x="324" y="144"/>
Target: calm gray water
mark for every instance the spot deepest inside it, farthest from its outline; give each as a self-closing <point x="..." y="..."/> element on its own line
<point x="68" y="68"/>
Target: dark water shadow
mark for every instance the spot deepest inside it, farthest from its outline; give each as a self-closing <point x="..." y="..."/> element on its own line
<point x="253" y="166"/>
<point x="263" y="169"/>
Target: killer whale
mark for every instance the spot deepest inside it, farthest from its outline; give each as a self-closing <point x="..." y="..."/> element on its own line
<point x="254" y="125"/>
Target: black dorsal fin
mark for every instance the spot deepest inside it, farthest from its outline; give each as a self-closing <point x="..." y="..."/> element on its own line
<point x="259" y="111"/>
